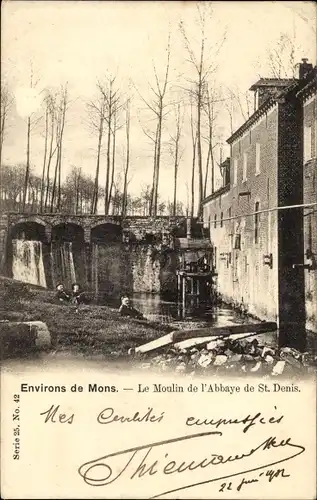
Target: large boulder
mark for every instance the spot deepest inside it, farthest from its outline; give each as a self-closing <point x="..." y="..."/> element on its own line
<point x="23" y="337"/>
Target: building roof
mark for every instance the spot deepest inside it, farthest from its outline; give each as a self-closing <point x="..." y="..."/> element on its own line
<point x="309" y="89"/>
<point x="271" y="82"/>
<point x="278" y="96"/>
<point x="216" y="194"/>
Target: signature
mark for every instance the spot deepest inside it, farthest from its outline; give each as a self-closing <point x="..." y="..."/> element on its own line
<point x="140" y="461"/>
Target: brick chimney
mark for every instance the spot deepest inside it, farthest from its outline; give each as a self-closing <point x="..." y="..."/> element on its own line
<point x="268" y="87"/>
<point x="304" y="68"/>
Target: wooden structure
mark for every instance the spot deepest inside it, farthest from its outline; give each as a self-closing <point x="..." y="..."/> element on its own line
<point x="206" y="335"/>
<point x="195" y="276"/>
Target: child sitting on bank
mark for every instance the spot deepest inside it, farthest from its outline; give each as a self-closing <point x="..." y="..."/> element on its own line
<point x="78" y="296"/>
<point x="126" y="309"/>
<point x="61" y="295"/>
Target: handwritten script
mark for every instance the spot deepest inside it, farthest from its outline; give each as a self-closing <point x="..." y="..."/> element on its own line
<point x="202" y="459"/>
<point x="206" y="457"/>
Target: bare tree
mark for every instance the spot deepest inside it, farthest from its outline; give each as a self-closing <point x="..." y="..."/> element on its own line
<point x="97" y="113"/>
<point x="194" y="142"/>
<point x="127" y="160"/>
<point x="6" y="103"/>
<point x="46" y="133"/>
<point x="115" y="127"/>
<point x="211" y="115"/>
<point x="202" y="68"/>
<point x="51" y="108"/>
<point x="112" y="101"/>
<point x="159" y="91"/>
<point x="281" y="58"/>
<point x="229" y="105"/>
<point x="176" y="151"/>
<point x="197" y="91"/>
<point x="60" y="125"/>
<point x="32" y="121"/>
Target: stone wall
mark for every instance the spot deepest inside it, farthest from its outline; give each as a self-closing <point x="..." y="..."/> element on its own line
<point x="310" y="219"/>
<point x="243" y="278"/>
<point x="3" y="242"/>
<point x="135" y="225"/>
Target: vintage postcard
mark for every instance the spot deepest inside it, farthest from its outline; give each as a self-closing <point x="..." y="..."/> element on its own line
<point x="158" y="250"/>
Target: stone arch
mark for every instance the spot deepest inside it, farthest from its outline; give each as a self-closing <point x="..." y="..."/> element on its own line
<point x="29" y="229"/>
<point x="106" y="220"/>
<point x="32" y="218"/>
<point x="68" y="231"/>
<point x="106" y="232"/>
<point x="57" y="221"/>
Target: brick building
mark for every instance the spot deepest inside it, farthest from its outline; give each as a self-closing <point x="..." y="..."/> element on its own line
<point x="308" y="96"/>
<point x="258" y="250"/>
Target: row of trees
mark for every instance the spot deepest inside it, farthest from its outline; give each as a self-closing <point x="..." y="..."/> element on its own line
<point x="167" y="106"/>
<point x="75" y="195"/>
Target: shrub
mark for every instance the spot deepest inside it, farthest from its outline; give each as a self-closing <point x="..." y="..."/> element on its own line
<point x="12" y="293"/>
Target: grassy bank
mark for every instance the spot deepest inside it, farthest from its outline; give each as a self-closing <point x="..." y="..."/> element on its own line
<point x="93" y="330"/>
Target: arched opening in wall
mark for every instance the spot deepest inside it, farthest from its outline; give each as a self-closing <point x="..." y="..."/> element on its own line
<point x="68" y="232"/>
<point x="31" y="231"/>
<point x="151" y="238"/>
<point x="106" y="233"/>
<point x="180" y="230"/>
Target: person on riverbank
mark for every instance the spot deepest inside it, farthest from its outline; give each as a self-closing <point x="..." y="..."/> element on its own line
<point x="126" y="309"/>
<point x="78" y="296"/>
<point x="61" y="295"/>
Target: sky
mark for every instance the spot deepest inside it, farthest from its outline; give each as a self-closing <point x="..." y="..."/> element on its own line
<point x="81" y="42"/>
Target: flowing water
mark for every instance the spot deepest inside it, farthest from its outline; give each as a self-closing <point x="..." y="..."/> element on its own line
<point x="168" y="312"/>
<point x="62" y="264"/>
<point x="27" y="262"/>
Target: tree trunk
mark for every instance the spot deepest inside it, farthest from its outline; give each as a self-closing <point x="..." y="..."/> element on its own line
<point x="60" y="154"/>
<point x="94" y="204"/>
<point x="127" y="164"/>
<point x="50" y="156"/>
<point x="151" y="208"/>
<point x="44" y="160"/>
<point x="27" y="171"/>
<point x="175" y="177"/>
<point x="77" y="193"/>
<point x="199" y="151"/>
<point x="212" y="170"/>
<point x="193" y="180"/>
<point x="55" y="180"/>
<point x="108" y="156"/>
<point x="113" y="160"/>
<point x="207" y="171"/>
<point x="158" y="158"/>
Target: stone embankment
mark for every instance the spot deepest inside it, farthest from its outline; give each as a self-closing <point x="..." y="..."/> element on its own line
<point x="232" y="356"/>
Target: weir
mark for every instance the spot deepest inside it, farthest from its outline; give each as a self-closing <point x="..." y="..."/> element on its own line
<point x="27" y="262"/>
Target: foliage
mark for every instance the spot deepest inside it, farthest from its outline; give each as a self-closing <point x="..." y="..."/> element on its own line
<point x="12" y="293"/>
<point x="76" y="194"/>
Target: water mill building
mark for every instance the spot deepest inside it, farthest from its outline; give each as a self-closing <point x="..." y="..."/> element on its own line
<point x="265" y="253"/>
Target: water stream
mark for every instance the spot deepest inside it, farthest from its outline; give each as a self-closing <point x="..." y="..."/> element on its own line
<point x="27" y="262"/>
<point x="154" y="308"/>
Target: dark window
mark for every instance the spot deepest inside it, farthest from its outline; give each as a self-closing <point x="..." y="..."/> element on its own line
<point x="310" y="233"/>
<point x="215" y="221"/>
<point x="221" y="219"/>
<point x="256" y="222"/>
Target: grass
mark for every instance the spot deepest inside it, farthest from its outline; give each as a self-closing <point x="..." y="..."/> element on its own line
<point x="93" y="330"/>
